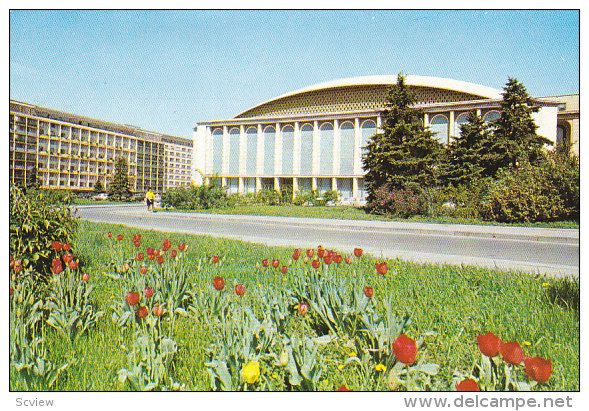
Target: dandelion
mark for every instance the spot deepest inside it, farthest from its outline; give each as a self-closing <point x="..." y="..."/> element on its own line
<point x="526" y="343"/>
<point x="251" y="372"/>
<point x="380" y="368"/>
<point x="340" y="367"/>
<point x="545" y="284"/>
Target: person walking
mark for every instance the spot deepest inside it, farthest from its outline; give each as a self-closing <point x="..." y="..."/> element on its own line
<point x="149" y="199"/>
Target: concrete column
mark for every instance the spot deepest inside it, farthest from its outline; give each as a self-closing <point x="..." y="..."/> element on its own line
<point x="378" y="122"/>
<point x="260" y="152"/>
<point x="357" y="146"/>
<point x="296" y="166"/>
<point x="425" y="119"/>
<point x="337" y="147"/>
<point x="240" y="188"/>
<point x="278" y="152"/>
<point x="334" y="183"/>
<point x="295" y="186"/>
<point x="479" y="112"/>
<point x="316" y="148"/>
<point x="242" y="150"/>
<point x="276" y="184"/>
<point x="223" y="181"/>
<point x="225" y="157"/>
<point x="314" y="183"/>
<point x="258" y="184"/>
<point x="451" y="131"/>
<point x="355" y="192"/>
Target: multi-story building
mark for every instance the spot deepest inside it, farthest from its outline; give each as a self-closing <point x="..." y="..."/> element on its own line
<point x="314" y="138"/>
<point x="178" y="153"/>
<point x="68" y="151"/>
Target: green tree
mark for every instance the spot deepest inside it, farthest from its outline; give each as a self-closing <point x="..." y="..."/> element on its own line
<point x="514" y="133"/>
<point x="33" y="178"/>
<point x="463" y="160"/>
<point x="405" y="154"/>
<point x="98" y="187"/>
<point x="120" y="186"/>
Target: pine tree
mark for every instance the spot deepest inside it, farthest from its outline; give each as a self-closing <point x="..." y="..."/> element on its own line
<point x="120" y="187"/>
<point x="463" y="164"/>
<point x="32" y="178"/>
<point x="514" y="135"/>
<point x="405" y="154"/>
<point x="98" y="187"/>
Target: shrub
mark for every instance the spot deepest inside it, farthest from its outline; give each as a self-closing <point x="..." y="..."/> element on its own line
<point x="399" y="203"/>
<point x="531" y="193"/>
<point x="197" y="197"/>
<point x="268" y="196"/>
<point x="38" y="218"/>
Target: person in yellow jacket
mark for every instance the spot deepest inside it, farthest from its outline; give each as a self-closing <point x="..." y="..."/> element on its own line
<point x="149" y="199"/>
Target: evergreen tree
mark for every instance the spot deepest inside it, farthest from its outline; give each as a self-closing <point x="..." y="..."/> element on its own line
<point x="405" y="154"/>
<point x="32" y="178"/>
<point x="120" y="186"/>
<point x="463" y="164"/>
<point x="514" y="135"/>
<point x="98" y="187"/>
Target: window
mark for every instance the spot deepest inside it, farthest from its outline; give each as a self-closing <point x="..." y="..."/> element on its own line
<point x="439" y="125"/>
<point x="460" y="120"/>
<point x="217" y="151"/>
<point x="234" y="151"/>
<point x="491" y="116"/>
<point x="306" y="149"/>
<point x="269" y="149"/>
<point x="287" y="149"/>
<point x="368" y="130"/>
<point x="326" y="148"/>
<point x="347" y="136"/>
<point x="344" y="187"/>
<point x="252" y="149"/>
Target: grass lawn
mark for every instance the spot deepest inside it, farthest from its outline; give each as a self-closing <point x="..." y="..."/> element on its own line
<point x="355" y="213"/>
<point x="456" y="303"/>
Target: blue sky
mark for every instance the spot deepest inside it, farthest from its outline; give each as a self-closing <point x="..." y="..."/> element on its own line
<point x="165" y="70"/>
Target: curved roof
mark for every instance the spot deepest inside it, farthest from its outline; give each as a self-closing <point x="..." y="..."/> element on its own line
<point x="388" y="80"/>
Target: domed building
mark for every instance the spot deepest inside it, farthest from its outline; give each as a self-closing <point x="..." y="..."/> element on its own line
<point x="313" y="138"/>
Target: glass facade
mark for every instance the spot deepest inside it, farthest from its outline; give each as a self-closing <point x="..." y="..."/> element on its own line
<point x="439" y="126"/>
<point x="217" y="151"/>
<point x="347" y="137"/>
<point x="234" y="151"/>
<point x="368" y="130"/>
<point x="492" y="116"/>
<point x="306" y="149"/>
<point x="269" y="150"/>
<point x="287" y="150"/>
<point x="458" y="122"/>
<point x="252" y="149"/>
<point x="326" y="143"/>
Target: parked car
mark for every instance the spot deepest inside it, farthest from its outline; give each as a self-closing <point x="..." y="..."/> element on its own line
<point x="101" y="197"/>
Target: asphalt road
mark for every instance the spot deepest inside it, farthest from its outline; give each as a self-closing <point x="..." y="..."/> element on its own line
<point x="538" y="250"/>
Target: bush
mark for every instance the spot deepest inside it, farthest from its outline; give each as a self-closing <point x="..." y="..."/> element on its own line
<point x="37" y="218"/>
<point x="534" y="193"/>
<point x="398" y="203"/>
<point x="198" y="197"/>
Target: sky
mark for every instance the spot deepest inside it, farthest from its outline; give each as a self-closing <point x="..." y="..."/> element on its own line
<point x="165" y="70"/>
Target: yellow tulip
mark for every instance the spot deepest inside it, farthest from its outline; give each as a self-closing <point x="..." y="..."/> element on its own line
<point x="251" y="372"/>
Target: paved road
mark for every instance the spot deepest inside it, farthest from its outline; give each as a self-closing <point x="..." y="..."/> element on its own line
<point x="538" y="250"/>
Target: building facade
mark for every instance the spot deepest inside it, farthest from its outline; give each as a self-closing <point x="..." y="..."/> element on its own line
<point x="314" y="138"/>
<point x="67" y="151"/>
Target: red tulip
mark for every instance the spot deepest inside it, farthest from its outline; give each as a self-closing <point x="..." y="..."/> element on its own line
<point x="489" y="344"/>
<point x="368" y="292"/>
<point x="137" y="244"/>
<point x="358" y="252"/>
<point x="405" y="349"/>
<point x="66" y="246"/>
<point x="11" y="258"/>
<point x="181" y="246"/>
<point x="140" y="256"/>
<point x="275" y="263"/>
<point x="142" y="312"/>
<point x="148" y="292"/>
<point x="85" y="277"/>
<point x="215" y="259"/>
<point x="158" y="310"/>
<point x="338" y="259"/>
<point x="56" y="245"/>
<point x="296" y="254"/>
<point x="73" y="265"/>
<point x="382" y="268"/>
<point x="133" y="298"/>
<point x="343" y="388"/>
<point x="150" y="251"/>
<point x="265" y="262"/>
<point x="136" y="237"/>
<point x="320" y="252"/>
<point x="240" y="289"/>
<point x="120" y="237"/>
<point x="68" y="257"/>
<point x="219" y="283"/>
<point x="538" y="369"/>
<point x="316" y="264"/>
<point x="468" y="385"/>
<point x="151" y="257"/>
<point x="56" y="266"/>
<point x="310" y="252"/>
<point x="173" y="253"/>
<point x="143" y="269"/>
<point x="109" y="234"/>
<point x="166" y="245"/>
<point x="512" y="353"/>
<point x="160" y="259"/>
<point x="303" y="308"/>
<point x="348" y="259"/>
<point x="284" y="269"/>
<point x="327" y="259"/>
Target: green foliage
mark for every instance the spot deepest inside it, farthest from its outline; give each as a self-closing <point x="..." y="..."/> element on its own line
<point x="206" y="196"/>
<point x="120" y="186"/>
<point x="565" y="292"/>
<point x="403" y="202"/>
<point x="38" y="218"/>
<point x="406" y="153"/>
<point x="530" y="193"/>
<point x="98" y="187"/>
<point x="33" y="178"/>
